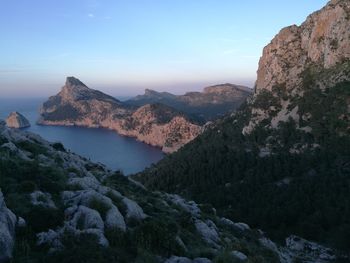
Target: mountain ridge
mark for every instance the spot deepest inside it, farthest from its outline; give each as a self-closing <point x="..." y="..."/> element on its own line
<point x="213" y="102"/>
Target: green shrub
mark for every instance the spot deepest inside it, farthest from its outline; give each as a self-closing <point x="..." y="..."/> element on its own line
<point x="59" y="147"/>
<point x="158" y="237"/>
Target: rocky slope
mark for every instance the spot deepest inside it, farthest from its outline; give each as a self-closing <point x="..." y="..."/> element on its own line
<point x="282" y="162"/>
<point x="157" y="125"/>
<point x="17" y="120"/>
<point x="68" y="209"/>
<point x="213" y="102"/>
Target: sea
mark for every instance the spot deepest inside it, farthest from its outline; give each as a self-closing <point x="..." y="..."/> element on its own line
<point x="97" y="144"/>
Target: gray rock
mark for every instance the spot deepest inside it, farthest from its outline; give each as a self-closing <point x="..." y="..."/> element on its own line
<point x="208" y="231"/>
<point x="113" y="216"/>
<point x="114" y="219"/>
<point x="175" y="259"/>
<point x="133" y="209"/>
<point x="7" y="230"/>
<point x="239" y="255"/>
<point x="190" y="206"/>
<point x="21" y="222"/>
<point x="39" y="198"/>
<point x="242" y="226"/>
<point x="82" y="217"/>
<point x="201" y="260"/>
<point x="17" y="120"/>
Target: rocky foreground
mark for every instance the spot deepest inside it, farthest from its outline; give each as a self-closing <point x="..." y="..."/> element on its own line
<point x="154" y="124"/>
<point x="56" y="206"/>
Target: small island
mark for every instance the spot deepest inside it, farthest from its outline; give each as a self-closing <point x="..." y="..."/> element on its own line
<point x="17" y="121"/>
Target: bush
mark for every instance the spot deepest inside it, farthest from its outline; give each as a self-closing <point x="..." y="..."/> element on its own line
<point x="159" y="237"/>
<point x="59" y="147"/>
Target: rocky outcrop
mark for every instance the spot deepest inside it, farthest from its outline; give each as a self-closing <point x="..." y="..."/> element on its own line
<point x="7" y="231"/>
<point x="154" y="124"/>
<point x="322" y="40"/>
<point x="17" y="120"/>
<point x="210" y="104"/>
<point x="314" y="55"/>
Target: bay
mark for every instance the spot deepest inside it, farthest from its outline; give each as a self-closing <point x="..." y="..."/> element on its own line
<point x="99" y="145"/>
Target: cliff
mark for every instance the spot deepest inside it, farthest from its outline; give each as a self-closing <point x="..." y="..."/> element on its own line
<point x="157" y="125"/>
<point x="314" y="55"/>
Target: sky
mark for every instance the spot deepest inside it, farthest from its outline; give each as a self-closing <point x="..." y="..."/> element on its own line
<point x="122" y="47"/>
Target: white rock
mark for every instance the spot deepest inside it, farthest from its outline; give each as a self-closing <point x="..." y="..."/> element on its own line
<point x="82" y="217"/>
<point x="115" y="219"/>
<point x="175" y="259"/>
<point x="190" y="206"/>
<point x="51" y="238"/>
<point x="242" y="226"/>
<point x="208" y="231"/>
<point x="39" y="198"/>
<point x="7" y="231"/>
<point x="133" y="209"/>
<point x="239" y="255"/>
<point x="21" y="222"/>
<point x="201" y="260"/>
<point x="84" y="197"/>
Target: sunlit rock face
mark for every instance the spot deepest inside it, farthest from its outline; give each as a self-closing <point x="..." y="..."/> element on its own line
<point x="17" y="120"/>
<point x="322" y="40"/>
<point x="314" y="55"/>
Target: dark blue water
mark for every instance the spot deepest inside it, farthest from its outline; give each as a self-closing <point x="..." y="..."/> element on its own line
<point x="100" y="145"/>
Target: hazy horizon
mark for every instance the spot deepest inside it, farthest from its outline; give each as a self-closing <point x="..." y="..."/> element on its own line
<point x="122" y="48"/>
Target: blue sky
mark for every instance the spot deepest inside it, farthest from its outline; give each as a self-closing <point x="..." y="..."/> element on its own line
<point x="124" y="46"/>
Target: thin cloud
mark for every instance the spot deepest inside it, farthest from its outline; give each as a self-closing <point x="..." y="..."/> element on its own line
<point x="91" y="15"/>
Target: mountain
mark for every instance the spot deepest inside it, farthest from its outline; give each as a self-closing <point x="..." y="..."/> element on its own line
<point x="213" y="102"/>
<point x="17" y="120"/>
<point x="56" y="206"/>
<point x="282" y="161"/>
<point x="155" y="124"/>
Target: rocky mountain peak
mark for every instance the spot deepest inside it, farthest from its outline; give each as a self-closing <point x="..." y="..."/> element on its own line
<point x="72" y="81"/>
<point x="321" y="41"/>
<point x="75" y="90"/>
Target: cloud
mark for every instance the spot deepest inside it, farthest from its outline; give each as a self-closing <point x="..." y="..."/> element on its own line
<point x="91" y="15"/>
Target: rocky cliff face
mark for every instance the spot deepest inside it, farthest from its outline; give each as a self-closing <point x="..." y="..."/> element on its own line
<point x="17" y="120"/>
<point x="322" y="41"/>
<point x="210" y="104"/>
<point x="314" y="56"/>
<point x="157" y="125"/>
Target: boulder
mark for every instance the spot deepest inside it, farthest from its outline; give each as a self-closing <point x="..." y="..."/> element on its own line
<point x="175" y="259"/>
<point x="133" y="209"/>
<point x="39" y="198"/>
<point x="8" y="222"/>
<point x="239" y="255"/>
<point x="208" y="231"/>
